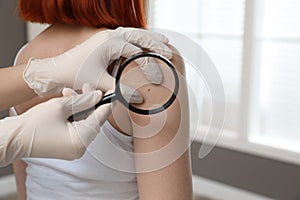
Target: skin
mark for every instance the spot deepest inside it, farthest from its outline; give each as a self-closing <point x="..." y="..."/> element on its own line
<point x="173" y="181"/>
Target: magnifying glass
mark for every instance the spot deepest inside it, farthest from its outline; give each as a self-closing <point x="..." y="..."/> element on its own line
<point x="171" y="83"/>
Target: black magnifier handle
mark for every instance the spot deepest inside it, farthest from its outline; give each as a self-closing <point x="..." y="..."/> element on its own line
<point x="105" y="100"/>
<point x="117" y="94"/>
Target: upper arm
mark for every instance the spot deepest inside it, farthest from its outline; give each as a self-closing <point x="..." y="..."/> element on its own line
<point x="161" y="144"/>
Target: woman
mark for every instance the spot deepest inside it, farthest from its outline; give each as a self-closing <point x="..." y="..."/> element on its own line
<point x="143" y="172"/>
<point x="25" y="136"/>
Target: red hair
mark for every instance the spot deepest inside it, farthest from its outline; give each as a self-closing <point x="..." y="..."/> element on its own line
<point x="96" y="13"/>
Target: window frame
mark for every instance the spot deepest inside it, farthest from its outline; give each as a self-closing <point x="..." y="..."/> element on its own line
<point x="245" y="139"/>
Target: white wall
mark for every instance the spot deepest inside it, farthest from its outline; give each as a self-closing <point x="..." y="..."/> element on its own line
<point x="33" y="29"/>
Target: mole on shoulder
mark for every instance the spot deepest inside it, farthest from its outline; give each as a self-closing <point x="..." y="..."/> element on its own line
<point x="149" y="89"/>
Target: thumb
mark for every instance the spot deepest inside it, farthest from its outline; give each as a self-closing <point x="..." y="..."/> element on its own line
<point x="106" y="82"/>
<point x="100" y="115"/>
<point x="81" y="102"/>
<point x="130" y="94"/>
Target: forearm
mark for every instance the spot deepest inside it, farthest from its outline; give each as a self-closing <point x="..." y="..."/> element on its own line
<point x="13" y="88"/>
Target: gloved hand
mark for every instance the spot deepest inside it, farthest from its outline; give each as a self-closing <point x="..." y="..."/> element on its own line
<point x="88" y="61"/>
<point x="44" y="132"/>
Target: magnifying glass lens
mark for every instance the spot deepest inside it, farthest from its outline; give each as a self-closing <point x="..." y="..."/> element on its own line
<point x="155" y="96"/>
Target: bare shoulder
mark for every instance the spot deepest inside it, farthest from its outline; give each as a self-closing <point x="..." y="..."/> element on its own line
<point x="177" y="60"/>
<point x="24" y="54"/>
<point x="54" y="41"/>
<point x="38" y="48"/>
<point x="129" y="121"/>
<point x="171" y="116"/>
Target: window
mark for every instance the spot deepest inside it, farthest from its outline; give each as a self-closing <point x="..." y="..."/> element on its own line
<point x="277" y="38"/>
<point x="255" y="45"/>
<point x="217" y="25"/>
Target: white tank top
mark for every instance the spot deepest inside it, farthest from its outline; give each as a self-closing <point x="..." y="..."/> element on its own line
<point x="88" y="178"/>
<point x="85" y="178"/>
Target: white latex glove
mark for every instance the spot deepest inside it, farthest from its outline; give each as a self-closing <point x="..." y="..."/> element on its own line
<point x="88" y="61"/>
<point x="44" y="132"/>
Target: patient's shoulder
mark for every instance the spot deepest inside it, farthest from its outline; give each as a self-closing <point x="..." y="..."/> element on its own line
<point x="122" y="119"/>
<point x="164" y="91"/>
<point x="177" y="60"/>
<point x="36" y="48"/>
<point x="53" y="42"/>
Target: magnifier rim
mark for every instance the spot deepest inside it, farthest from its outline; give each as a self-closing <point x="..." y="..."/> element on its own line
<point x="138" y="110"/>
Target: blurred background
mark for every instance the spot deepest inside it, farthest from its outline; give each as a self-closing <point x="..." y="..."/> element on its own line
<point x="255" y="45"/>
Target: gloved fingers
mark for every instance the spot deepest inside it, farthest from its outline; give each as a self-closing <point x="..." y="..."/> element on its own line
<point x="158" y="36"/>
<point x="149" y="40"/>
<point x="106" y="82"/>
<point x="162" y="50"/>
<point x="127" y="49"/>
<point x="100" y="115"/>
<point x="87" y="129"/>
<point x="78" y="103"/>
<point x="86" y="88"/>
<point x="151" y="69"/>
<point x="152" y="72"/>
<point x="67" y="92"/>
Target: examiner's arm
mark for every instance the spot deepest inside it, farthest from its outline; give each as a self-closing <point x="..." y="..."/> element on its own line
<point x="13" y="88"/>
<point x="31" y="134"/>
<point x="44" y="131"/>
<point x="49" y="76"/>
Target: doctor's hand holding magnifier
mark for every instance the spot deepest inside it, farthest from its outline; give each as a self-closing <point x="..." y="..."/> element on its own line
<point x="88" y="61"/>
<point x="22" y="136"/>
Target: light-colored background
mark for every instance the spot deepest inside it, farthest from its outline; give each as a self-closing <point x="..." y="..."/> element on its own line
<point x="255" y="45"/>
